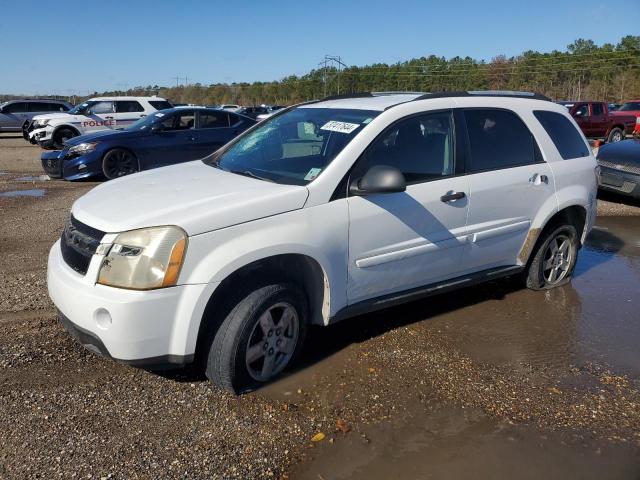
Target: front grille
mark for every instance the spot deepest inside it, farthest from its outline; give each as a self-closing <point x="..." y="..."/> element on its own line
<point x="620" y="167"/>
<point x="78" y="244"/>
<point x="53" y="166"/>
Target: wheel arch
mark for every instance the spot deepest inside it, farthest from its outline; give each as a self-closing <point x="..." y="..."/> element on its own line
<point x="57" y="128"/>
<point x="575" y="215"/>
<point x="297" y="268"/>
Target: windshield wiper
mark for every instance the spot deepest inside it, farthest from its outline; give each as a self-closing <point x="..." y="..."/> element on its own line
<point x="248" y="173"/>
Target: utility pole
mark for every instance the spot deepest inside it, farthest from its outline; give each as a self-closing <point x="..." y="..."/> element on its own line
<point x="177" y="80"/>
<point x="334" y="61"/>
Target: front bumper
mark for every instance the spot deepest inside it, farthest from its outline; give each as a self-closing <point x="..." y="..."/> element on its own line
<point x="59" y="164"/>
<point x="618" y="181"/>
<point x="145" y="328"/>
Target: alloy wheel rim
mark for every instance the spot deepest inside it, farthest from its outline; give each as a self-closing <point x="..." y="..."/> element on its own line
<point x="557" y="259"/>
<point x="120" y="164"/>
<point x="272" y="341"/>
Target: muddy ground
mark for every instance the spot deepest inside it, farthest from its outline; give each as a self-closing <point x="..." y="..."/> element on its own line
<point x="488" y="382"/>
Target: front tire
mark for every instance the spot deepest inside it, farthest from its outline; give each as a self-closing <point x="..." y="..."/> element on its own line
<point x="554" y="260"/>
<point x="118" y="163"/>
<point x="259" y="338"/>
<point x="62" y="136"/>
<point x="615" y="135"/>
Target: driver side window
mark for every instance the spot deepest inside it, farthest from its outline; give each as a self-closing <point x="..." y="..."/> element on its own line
<point x="101" y="107"/>
<point x="180" y="121"/>
<point x="421" y="147"/>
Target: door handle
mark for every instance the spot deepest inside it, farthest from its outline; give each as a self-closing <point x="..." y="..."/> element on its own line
<point x="536" y="179"/>
<point x="109" y="118"/>
<point x="452" y="197"/>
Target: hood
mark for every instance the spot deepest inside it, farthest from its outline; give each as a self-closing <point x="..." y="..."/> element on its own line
<point x="53" y="116"/>
<point x="195" y="196"/>
<point x="103" y="134"/>
<point x="625" y="152"/>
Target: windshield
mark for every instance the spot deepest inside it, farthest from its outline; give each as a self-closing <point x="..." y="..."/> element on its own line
<point x="145" y="122"/>
<point x="81" y="107"/>
<point x="294" y="147"/>
<point x="629" y="106"/>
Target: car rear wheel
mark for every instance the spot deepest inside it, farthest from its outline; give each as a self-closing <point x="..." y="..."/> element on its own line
<point x="555" y="259"/>
<point x="62" y="136"/>
<point x="615" y="135"/>
<point x="259" y="338"/>
<point x="118" y="163"/>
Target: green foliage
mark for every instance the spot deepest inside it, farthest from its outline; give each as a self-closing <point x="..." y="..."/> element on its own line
<point x="583" y="71"/>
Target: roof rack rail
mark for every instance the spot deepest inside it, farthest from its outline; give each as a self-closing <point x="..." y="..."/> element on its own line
<point x="485" y="93"/>
<point x="368" y="95"/>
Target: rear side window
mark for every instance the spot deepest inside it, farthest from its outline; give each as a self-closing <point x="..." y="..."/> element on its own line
<point x="127" y="106"/>
<point x="498" y="139"/>
<point x="564" y="135"/>
<point x="213" y="120"/>
<point x="597" y="109"/>
<point x="160" y="104"/>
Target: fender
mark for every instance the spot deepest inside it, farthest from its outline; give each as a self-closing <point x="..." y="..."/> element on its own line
<point x="320" y="233"/>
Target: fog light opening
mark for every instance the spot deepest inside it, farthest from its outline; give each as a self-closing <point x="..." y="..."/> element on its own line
<point x="102" y="318"/>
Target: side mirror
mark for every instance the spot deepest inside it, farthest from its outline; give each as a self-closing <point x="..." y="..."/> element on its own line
<point x="379" y="179"/>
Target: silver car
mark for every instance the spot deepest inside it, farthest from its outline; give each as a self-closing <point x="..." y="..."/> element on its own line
<point x="16" y="115"/>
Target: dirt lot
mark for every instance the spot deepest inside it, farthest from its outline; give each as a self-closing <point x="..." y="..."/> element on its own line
<point x="488" y="382"/>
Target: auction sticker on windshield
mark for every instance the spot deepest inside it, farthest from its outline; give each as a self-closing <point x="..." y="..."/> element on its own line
<point x="342" y="127"/>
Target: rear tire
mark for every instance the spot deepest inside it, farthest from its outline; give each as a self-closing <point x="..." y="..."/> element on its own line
<point x="261" y="336"/>
<point x="615" y="135"/>
<point x="554" y="260"/>
<point x="61" y="136"/>
<point x="118" y="163"/>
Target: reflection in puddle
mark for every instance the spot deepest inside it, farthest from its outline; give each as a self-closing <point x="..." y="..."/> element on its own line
<point x="34" y="192"/>
<point x="33" y="178"/>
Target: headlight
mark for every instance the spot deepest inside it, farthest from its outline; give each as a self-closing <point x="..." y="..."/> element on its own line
<point x="42" y="123"/>
<point x="144" y="259"/>
<point x="83" y="148"/>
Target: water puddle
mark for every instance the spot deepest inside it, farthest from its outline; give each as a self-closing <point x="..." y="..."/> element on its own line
<point x="35" y="192"/>
<point x="33" y="178"/>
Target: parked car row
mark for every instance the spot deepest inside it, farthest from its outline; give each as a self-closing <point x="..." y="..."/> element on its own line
<point x="161" y="138"/>
<point x="598" y="121"/>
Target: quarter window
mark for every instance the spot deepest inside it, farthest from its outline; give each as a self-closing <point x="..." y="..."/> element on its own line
<point x="498" y="139"/>
<point x="213" y="120"/>
<point x="564" y="135"/>
<point x="421" y="147"/>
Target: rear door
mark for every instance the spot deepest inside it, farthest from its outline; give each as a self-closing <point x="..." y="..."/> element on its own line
<point x="599" y="120"/>
<point x="127" y="112"/>
<point x="399" y="241"/>
<point x="14" y="115"/>
<point x="508" y="183"/>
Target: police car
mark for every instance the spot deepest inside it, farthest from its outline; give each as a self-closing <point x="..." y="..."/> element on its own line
<point x="100" y="113"/>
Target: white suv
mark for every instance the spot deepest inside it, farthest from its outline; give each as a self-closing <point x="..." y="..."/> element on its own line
<point x="100" y="113"/>
<point x="323" y="211"/>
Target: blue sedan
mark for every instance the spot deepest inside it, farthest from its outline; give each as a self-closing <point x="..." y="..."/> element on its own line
<point x="163" y="138"/>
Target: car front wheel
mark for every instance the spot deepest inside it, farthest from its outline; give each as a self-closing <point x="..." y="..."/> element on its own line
<point x="259" y="338"/>
<point x="118" y="163"/>
<point x="555" y="259"/>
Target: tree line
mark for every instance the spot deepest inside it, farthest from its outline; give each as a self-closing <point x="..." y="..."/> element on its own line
<point x="583" y="71"/>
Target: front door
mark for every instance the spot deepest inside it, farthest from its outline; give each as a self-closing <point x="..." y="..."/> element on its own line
<point x="174" y="142"/>
<point x="213" y="131"/>
<point x="399" y="241"/>
<point x="509" y="183"/>
<point x="99" y="116"/>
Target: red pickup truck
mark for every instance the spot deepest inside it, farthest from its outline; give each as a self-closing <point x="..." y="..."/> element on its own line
<point x="596" y="121"/>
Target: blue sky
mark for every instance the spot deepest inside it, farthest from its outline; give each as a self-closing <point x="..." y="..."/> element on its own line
<point x="82" y="46"/>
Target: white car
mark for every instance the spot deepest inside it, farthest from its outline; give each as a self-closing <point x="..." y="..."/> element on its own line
<point x="100" y="113"/>
<point x="231" y="107"/>
<point x="331" y="209"/>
